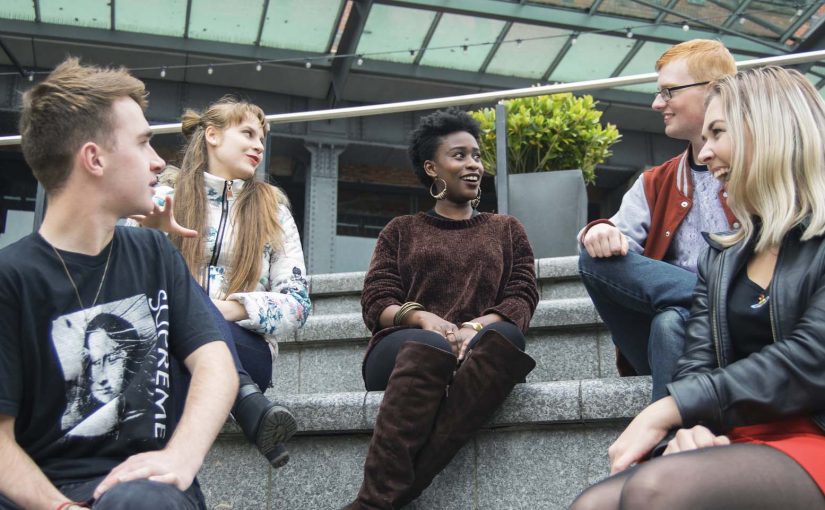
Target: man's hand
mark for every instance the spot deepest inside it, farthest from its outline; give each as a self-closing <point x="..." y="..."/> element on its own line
<point x="693" y="439"/>
<point x="159" y="466"/>
<point x="163" y="219"/>
<point x="604" y="240"/>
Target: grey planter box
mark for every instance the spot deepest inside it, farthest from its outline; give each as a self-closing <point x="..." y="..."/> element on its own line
<point x="553" y="208"/>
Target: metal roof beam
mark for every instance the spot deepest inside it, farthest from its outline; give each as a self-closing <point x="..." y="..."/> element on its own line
<point x="492" y="53"/>
<point x="748" y="16"/>
<point x="638" y="44"/>
<point x="735" y="13"/>
<point x="559" y="56"/>
<point x="341" y="67"/>
<point x="575" y="20"/>
<point x="188" y="18"/>
<point x="262" y="23"/>
<point x="427" y="39"/>
<point x="806" y="15"/>
<point x="713" y="26"/>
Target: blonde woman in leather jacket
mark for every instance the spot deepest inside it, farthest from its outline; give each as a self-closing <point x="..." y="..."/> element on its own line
<point x="743" y="425"/>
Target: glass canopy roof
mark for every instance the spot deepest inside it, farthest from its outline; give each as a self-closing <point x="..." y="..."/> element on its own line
<point x="537" y="40"/>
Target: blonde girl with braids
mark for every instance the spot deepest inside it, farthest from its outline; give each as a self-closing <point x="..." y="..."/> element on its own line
<point x="248" y="259"/>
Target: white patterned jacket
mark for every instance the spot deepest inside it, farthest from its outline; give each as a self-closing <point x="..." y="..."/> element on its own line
<point x="280" y="303"/>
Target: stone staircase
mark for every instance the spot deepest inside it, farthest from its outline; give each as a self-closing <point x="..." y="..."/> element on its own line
<point x="547" y="442"/>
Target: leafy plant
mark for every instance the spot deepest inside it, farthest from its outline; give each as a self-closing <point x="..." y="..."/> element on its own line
<point x="546" y="133"/>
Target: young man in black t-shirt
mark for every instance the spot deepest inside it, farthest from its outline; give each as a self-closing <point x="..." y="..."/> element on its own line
<point x="93" y="317"/>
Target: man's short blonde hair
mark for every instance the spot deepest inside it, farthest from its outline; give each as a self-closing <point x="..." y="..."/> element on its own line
<point x="71" y="107"/>
<point x="707" y="60"/>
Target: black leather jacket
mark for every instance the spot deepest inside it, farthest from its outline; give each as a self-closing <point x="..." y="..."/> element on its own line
<point x="785" y="378"/>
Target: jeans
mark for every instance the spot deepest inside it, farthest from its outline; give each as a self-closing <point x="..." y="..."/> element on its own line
<point x="644" y="303"/>
<point x="134" y="495"/>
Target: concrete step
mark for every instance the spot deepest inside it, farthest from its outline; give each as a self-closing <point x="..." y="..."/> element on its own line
<point x="547" y="442"/>
<point x="339" y="293"/>
<point x="566" y="338"/>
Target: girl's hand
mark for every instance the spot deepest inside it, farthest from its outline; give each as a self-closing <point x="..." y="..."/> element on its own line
<point x="162" y="218"/>
<point x="693" y="439"/>
<point x="465" y="335"/>
<point x="643" y="433"/>
<point x="232" y="311"/>
<point x="432" y="322"/>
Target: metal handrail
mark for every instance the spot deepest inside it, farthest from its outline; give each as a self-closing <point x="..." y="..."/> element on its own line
<point x="491" y="97"/>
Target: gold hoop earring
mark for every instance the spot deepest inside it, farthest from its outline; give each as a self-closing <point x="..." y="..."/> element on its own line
<point x="443" y="194"/>
<point x="477" y="200"/>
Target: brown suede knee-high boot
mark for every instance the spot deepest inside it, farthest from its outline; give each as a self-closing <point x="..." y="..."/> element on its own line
<point x="485" y="378"/>
<point x="405" y="417"/>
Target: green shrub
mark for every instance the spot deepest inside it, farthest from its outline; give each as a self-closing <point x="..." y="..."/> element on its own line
<point x="546" y="133"/>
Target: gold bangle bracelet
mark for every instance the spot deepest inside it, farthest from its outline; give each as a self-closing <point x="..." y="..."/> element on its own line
<point x="405" y="309"/>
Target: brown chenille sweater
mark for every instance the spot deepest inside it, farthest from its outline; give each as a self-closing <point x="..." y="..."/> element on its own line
<point x="457" y="269"/>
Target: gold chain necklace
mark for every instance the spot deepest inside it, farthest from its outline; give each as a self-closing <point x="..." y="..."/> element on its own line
<point x="74" y="286"/>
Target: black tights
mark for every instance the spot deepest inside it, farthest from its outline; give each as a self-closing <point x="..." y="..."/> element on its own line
<point x="381" y="360"/>
<point x="740" y="476"/>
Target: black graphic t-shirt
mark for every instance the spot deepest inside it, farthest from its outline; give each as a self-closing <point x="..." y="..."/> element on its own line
<point x="88" y="388"/>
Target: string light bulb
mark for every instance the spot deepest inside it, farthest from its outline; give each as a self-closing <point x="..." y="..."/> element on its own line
<point x="629" y="33"/>
<point x="518" y="42"/>
<point x="258" y="66"/>
<point x="360" y="61"/>
<point x="574" y="40"/>
<point x="308" y="64"/>
<point x="685" y="27"/>
<point x="799" y="11"/>
<point x="210" y="70"/>
<point x="464" y="48"/>
<point x="163" y="72"/>
<point x="30" y="77"/>
<point x="741" y="20"/>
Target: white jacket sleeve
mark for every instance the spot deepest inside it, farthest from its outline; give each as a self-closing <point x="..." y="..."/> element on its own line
<point x="284" y="305"/>
<point x="633" y="216"/>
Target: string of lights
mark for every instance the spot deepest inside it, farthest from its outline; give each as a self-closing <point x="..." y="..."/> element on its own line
<point x="360" y="58"/>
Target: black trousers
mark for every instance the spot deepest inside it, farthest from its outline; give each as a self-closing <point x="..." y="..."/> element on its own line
<point x="381" y="360"/>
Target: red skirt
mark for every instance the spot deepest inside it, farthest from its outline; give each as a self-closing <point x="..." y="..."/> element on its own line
<point x="799" y="438"/>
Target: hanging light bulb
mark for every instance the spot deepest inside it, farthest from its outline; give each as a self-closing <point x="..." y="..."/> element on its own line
<point x="412" y="53"/>
<point x="163" y="72"/>
<point x="210" y="70"/>
<point x="629" y="34"/>
<point x="799" y="11"/>
<point x="360" y="61"/>
<point x="685" y="27"/>
<point x="30" y="77"/>
<point x="464" y="48"/>
<point x="741" y="20"/>
<point x="258" y="66"/>
<point x="308" y="64"/>
<point x="518" y="42"/>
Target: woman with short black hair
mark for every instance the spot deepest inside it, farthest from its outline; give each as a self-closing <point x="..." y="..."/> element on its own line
<point x="448" y="297"/>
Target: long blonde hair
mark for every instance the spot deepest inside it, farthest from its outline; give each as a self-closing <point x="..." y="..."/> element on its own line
<point x="776" y="116"/>
<point x="256" y="210"/>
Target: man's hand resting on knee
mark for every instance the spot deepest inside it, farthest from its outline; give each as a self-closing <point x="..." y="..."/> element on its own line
<point x="161" y="466"/>
<point x="604" y="240"/>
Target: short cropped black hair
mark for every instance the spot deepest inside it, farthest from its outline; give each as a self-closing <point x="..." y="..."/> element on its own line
<point x="425" y="139"/>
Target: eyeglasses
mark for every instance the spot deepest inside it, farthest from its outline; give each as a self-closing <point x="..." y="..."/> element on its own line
<point x="667" y="92"/>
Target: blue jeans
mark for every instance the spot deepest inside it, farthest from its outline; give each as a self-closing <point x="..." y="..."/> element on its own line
<point x="644" y="303"/>
<point x="134" y="495"/>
